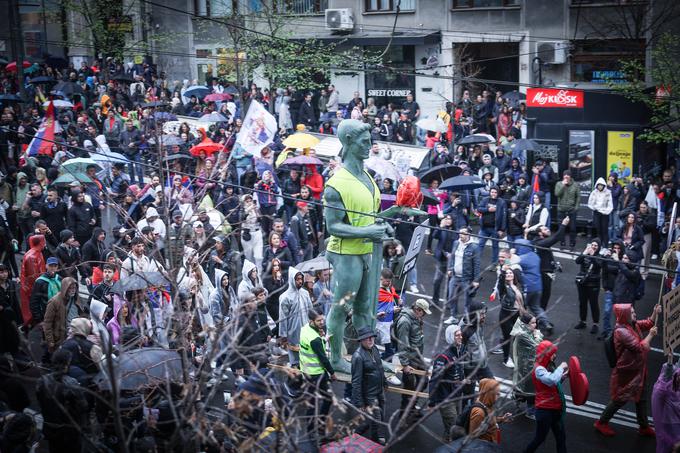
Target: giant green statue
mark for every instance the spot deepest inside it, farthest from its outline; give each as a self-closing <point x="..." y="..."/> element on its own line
<point x="355" y="245"/>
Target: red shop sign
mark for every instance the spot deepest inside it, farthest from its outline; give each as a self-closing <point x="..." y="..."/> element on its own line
<point x="554" y="98"/>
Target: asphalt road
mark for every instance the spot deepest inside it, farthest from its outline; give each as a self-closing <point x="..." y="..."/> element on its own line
<point x="563" y="312"/>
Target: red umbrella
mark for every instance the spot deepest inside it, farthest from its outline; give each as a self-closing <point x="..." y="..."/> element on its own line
<point x="206" y="145"/>
<point x="218" y="97"/>
<point x="13" y="65"/>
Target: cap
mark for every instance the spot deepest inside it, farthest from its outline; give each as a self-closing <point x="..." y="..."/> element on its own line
<point x="52" y="261"/>
<point x="74" y="184"/>
<point x="201" y="211"/>
<point x="423" y="305"/>
<point x="198" y="224"/>
<point x="176" y="213"/>
<point x="365" y="332"/>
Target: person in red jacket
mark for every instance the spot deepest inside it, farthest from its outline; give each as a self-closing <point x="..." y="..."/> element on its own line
<point x="314" y="180"/>
<point x="32" y="267"/>
<point x="550" y="403"/>
<point x="629" y="377"/>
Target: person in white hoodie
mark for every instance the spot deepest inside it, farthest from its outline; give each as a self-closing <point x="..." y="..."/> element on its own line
<point x="600" y="202"/>
<point x="294" y="306"/>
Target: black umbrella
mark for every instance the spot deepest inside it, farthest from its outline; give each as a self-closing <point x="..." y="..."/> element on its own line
<point x="428" y="196"/>
<point x="475" y="139"/>
<point x="123" y="78"/>
<point x="176" y="157"/>
<point x="154" y="104"/>
<point x="42" y="80"/>
<point x="146" y="367"/>
<point x="7" y="98"/>
<point x="513" y="98"/>
<point x="440" y="173"/>
<point x="523" y="144"/>
<point x="231" y="89"/>
<point x="69" y="88"/>
<point x="461" y="183"/>
<point x="139" y="280"/>
<point x="470" y="445"/>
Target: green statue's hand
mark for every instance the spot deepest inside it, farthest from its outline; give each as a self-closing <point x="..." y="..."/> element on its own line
<point x="376" y="232"/>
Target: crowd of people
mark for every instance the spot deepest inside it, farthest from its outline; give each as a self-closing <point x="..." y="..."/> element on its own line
<point x="225" y="233"/>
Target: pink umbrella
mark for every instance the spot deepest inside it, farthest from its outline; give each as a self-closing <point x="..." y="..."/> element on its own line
<point x="303" y="160"/>
<point x="214" y="97"/>
<point x="13" y="66"/>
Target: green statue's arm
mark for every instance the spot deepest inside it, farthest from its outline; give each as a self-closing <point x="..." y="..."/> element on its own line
<point x="334" y="212"/>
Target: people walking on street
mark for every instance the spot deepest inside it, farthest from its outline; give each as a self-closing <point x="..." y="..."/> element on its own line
<point x="294" y="306"/>
<point x="483" y="419"/>
<point x="509" y="295"/>
<point x="463" y="270"/>
<point x="526" y="338"/>
<point x="493" y="226"/>
<point x="389" y="306"/>
<point x="533" y="285"/>
<point x="368" y="384"/>
<point x="588" y="285"/>
<point x="628" y="381"/>
<point x="568" y="196"/>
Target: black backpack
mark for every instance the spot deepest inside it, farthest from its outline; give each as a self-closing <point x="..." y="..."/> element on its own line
<point x="610" y="350"/>
<point x="463" y="419"/>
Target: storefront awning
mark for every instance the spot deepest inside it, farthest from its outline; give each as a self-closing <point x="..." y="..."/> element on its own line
<point x="380" y="39"/>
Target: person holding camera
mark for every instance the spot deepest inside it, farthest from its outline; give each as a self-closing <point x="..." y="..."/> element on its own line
<point x="588" y="284"/>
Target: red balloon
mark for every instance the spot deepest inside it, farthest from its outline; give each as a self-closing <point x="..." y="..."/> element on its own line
<point x="409" y="194"/>
<point x="578" y="382"/>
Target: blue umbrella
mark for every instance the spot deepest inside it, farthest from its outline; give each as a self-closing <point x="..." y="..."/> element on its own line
<point x="10" y="98"/>
<point x="231" y="89"/>
<point x="197" y="90"/>
<point x="164" y="116"/>
<point x="213" y="117"/>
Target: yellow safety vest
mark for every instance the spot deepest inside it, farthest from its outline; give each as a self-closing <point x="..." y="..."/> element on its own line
<point x="309" y="362"/>
<point x="356" y="197"/>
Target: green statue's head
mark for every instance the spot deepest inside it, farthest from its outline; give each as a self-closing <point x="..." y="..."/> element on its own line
<point x="355" y="138"/>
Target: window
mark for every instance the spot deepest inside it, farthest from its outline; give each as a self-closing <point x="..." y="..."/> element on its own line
<point x="484" y="3"/>
<point x="215" y="8"/>
<point x="301" y="6"/>
<point x="373" y="6"/>
<point x="598" y="61"/>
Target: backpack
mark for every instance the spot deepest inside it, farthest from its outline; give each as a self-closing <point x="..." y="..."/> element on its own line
<point x="609" y="350"/>
<point x="463" y="419"/>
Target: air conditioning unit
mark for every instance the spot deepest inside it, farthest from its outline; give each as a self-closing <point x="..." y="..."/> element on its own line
<point x="552" y="52"/>
<point x="340" y="19"/>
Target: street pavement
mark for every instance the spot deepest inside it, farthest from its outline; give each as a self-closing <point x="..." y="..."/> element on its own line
<point x="563" y="312"/>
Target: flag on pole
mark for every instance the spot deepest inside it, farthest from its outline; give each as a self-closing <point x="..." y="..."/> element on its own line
<point x="44" y="138"/>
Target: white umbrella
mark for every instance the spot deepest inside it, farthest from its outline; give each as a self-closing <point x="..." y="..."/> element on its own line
<point x="383" y="168"/>
<point x="213" y="117"/>
<point x="432" y="124"/>
<point x="59" y="104"/>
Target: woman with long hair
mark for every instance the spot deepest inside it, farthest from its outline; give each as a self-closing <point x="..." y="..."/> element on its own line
<point x="509" y="294"/>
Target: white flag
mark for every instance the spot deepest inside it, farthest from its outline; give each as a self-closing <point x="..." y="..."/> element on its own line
<point x="258" y="130"/>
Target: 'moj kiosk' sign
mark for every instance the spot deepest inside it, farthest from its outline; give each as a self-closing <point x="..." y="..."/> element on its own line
<point x="554" y="98"/>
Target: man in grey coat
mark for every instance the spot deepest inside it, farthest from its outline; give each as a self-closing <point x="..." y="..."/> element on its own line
<point x="294" y="306"/>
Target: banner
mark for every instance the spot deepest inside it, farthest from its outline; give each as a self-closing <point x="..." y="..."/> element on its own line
<point x="258" y="130"/>
<point x="671" y="320"/>
<point x="620" y="155"/>
<point x="44" y="139"/>
<point x="554" y="98"/>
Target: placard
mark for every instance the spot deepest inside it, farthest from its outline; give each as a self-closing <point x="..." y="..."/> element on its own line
<point x="620" y="155"/>
<point x="671" y="320"/>
<point x="414" y="248"/>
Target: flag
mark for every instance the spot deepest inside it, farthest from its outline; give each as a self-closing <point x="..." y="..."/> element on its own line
<point x="258" y="130"/>
<point x="44" y="138"/>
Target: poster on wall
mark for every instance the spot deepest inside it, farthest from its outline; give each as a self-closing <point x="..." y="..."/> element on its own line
<point x="581" y="165"/>
<point x="620" y="155"/>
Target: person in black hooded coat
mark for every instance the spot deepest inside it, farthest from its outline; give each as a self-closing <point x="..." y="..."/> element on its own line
<point x="588" y="284"/>
<point x="93" y="251"/>
<point x="81" y="218"/>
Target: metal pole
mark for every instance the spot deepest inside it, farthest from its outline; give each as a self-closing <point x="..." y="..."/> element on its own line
<point x="17" y="44"/>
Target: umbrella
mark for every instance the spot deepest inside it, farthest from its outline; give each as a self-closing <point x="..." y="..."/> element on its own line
<point x="59" y="104"/>
<point x="68" y="178"/>
<point x="383" y="168"/>
<point x="303" y="160"/>
<point x="164" y="116"/>
<point x="315" y="264"/>
<point x="231" y="90"/>
<point x="352" y="443"/>
<point x="58" y="93"/>
<point x="207" y="145"/>
<point x="68" y="88"/>
<point x="33" y="68"/>
<point x="476" y="138"/>
<point x="461" y="183"/>
<point x="42" y="80"/>
<point x="513" y="98"/>
<point x="428" y="196"/>
<point x="175" y="157"/>
<point x="145" y="367"/>
<point x="300" y="140"/>
<point x="166" y="140"/>
<point x="108" y="157"/>
<point x="440" y="173"/>
<point x="470" y="445"/>
<point x="198" y="91"/>
<point x="213" y="117"/>
<point x="79" y="165"/>
<point x="123" y="78"/>
<point x="432" y="124"/>
<point x="3" y="60"/>
<point x="524" y="144"/>
<point x="139" y="280"/>
<point x="10" y="98"/>
<point x="215" y="97"/>
<point x="154" y="104"/>
<point x="12" y="67"/>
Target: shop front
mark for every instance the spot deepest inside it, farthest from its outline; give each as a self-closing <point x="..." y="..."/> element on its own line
<point x="392" y="86"/>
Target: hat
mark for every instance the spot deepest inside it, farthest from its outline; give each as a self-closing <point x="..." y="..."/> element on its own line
<point x="52" y="261"/>
<point x="301" y="204"/>
<point x="65" y="235"/>
<point x="198" y="224"/>
<point x="365" y="332"/>
<point x="176" y="213"/>
<point x="450" y="333"/>
<point x="423" y="305"/>
<point x="74" y="184"/>
<point x="201" y="211"/>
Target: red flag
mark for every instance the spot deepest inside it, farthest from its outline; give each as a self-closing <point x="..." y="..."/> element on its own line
<point x="535" y="187"/>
